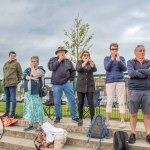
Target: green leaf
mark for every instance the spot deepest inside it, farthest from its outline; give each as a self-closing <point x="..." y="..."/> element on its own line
<point x="77" y="38"/>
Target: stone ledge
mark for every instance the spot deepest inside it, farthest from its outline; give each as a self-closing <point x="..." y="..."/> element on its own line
<point x="74" y="139"/>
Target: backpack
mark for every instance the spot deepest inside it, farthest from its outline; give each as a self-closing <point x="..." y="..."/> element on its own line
<point x="98" y="129"/>
<point x="120" y="140"/>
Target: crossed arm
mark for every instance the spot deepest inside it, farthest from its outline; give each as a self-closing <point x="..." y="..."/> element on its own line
<point x="146" y="72"/>
<point x="140" y="73"/>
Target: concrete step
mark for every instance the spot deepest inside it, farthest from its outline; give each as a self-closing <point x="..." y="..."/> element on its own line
<point x="106" y="144"/>
<point x="74" y="139"/>
<point x="70" y="126"/>
<point x="13" y="143"/>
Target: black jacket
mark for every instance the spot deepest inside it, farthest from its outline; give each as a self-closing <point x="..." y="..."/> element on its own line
<point x="85" y="80"/>
<point x="61" y="72"/>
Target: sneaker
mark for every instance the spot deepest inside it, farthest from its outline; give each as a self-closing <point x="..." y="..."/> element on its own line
<point x="148" y="138"/>
<point x="107" y="123"/>
<point x="57" y="120"/>
<point x="75" y="119"/>
<point x="5" y="115"/>
<point x="38" y="128"/>
<point x="12" y="116"/>
<point x="122" y="125"/>
<point x="80" y="123"/>
<point x="132" y="138"/>
<point x="28" y="127"/>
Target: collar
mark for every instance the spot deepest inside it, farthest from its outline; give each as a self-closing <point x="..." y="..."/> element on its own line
<point x="144" y="60"/>
<point x="10" y="61"/>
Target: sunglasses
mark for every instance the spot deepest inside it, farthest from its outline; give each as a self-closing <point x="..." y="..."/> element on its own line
<point x="114" y="49"/>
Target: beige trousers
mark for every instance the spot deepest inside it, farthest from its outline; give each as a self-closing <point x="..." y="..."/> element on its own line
<point x="112" y="90"/>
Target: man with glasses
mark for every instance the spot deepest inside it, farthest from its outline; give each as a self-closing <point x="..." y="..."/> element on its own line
<point x="139" y="91"/>
<point x="63" y="74"/>
<point x="115" y="84"/>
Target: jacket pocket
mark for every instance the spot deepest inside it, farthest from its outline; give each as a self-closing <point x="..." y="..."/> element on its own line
<point x="12" y="81"/>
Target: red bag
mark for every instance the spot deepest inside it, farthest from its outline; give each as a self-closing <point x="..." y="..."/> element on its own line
<point x="8" y="122"/>
<point x="40" y="141"/>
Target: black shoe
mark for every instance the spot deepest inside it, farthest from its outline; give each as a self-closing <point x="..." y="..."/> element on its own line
<point x="75" y="119"/>
<point x="39" y="128"/>
<point x="28" y="127"/>
<point x="57" y="120"/>
<point x="5" y="115"/>
<point x="12" y="116"/>
<point x="148" y="138"/>
<point x="80" y="123"/>
<point x="132" y="138"/>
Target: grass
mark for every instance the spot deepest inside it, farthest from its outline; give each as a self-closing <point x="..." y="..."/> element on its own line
<point x="66" y="111"/>
<point x="19" y="108"/>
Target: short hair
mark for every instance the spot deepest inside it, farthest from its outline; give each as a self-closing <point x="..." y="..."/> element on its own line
<point x="82" y="52"/>
<point x="35" y="57"/>
<point x="138" y="47"/>
<point x="12" y="52"/>
<point x="113" y="44"/>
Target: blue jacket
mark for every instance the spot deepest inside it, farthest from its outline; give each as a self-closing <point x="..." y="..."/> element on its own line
<point x="61" y="72"/>
<point x="139" y="75"/>
<point x="114" y="69"/>
<point x="35" y="85"/>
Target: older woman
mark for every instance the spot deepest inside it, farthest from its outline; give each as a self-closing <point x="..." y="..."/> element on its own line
<point x="85" y="83"/>
<point x="33" y="109"/>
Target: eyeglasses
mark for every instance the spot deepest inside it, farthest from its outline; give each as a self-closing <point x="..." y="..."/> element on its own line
<point x="114" y="49"/>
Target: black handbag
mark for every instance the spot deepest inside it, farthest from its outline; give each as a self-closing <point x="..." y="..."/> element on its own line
<point x="43" y="90"/>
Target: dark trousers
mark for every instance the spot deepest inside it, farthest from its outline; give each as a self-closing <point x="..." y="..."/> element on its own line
<point x="10" y="93"/>
<point x="81" y="97"/>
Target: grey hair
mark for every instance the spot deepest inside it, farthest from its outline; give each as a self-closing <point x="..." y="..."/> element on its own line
<point x="138" y="47"/>
<point x="35" y="57"/>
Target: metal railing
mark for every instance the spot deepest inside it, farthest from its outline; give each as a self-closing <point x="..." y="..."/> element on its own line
<point x="99" y="84"/>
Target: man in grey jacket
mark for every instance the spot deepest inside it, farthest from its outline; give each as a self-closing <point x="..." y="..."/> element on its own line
<point x="63" y="74"/>
<point x="139" y="91"/>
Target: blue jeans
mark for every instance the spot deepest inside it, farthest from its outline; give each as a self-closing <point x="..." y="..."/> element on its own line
<point x="68" y="90"/>
<point x="10" y="93"/>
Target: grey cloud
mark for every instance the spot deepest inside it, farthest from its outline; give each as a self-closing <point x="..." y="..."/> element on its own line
<point x="36" y="27"/>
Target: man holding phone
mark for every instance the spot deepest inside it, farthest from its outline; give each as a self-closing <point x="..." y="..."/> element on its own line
<point x="63" y="74"/>
<point x="115" y="85"/>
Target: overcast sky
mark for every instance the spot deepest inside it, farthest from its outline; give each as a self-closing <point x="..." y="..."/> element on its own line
<point x="36" y="27"/>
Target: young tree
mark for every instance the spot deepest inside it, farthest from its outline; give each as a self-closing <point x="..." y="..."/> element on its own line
<point x="78" y="39"/>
